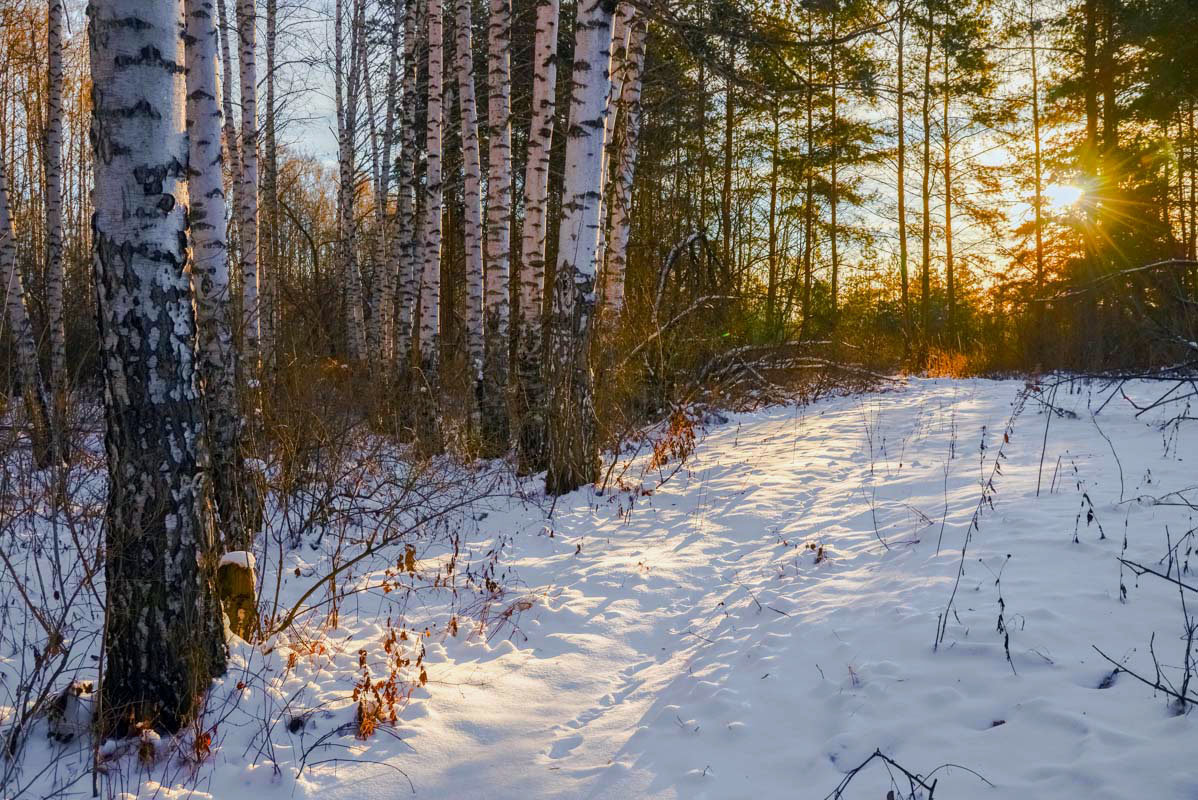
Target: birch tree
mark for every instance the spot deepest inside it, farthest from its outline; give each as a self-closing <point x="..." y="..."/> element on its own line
<point x="247" y="212"/>
<point x="269" y="262"/>
<point x="19" y="325"/>
<point x="346" y="95"/>
<point x="216" y="356"/>
<point x="619" y="53"/>
<point x="630" y="109"/>
<point x="530" y="396"/>
<point x="404" y="242"/>
<point x="163" y="632"/>
<point x="430" y="286"/>
<point x="499" y="212"/>
<point x="573" y="451"/>
<point x="471" y="192"/>
<point x="54" y="265"/>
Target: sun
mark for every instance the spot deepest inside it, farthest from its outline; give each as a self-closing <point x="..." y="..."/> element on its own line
<point x="1061" y="197"/>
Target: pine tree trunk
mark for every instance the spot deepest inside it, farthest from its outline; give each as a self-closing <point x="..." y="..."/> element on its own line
<point x="1038" y="202"/>
<point x="621" y="212"/>
<point x="54" y="259"/>
<point x="492" y="400"/>
<point x="947" y="140"/>
<point x="32" y="388"/>
<point x="901" y="156"/>
<point x="530" y="398"/>
<point x="247" y="217"/>
<point x="163" y="640"/>
<point x="834" y="188"/>
<point x="573" y="449"/>
<point x="216" y="356"/>
<point x="925" y="332"/>
<point x="472" y="194"/>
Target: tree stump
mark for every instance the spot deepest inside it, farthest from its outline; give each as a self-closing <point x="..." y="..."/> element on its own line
<point x="236" y="582"/>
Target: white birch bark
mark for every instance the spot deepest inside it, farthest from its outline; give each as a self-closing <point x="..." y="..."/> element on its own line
<point x="163" y="637"/>
<point x="430" y="285"/>
<point x="530" y="307"/>
<point x="499" y="207"/>
<point x="573" y="454"/>
<point x="386" y="261"/>
<point x="404" y="245"/>
<point x="216" y="356"/>
<point x="24" y="342"/>
<point x="269" y="256"/>
<point x="536" y="179"/>
<point x="347" y="117"/>
<point x="619" y="51"/>
<point x="247" y="212"/>
<point x="472" y="189"/>
<point x="630" y="109"/>
<point x="54" y="263"/>
<point x="232" y="148"/>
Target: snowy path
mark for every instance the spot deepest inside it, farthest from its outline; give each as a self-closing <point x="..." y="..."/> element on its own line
<point x="696" y="648"/>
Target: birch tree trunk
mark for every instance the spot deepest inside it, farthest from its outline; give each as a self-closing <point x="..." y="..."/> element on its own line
<point x="164" y="638"/>
<point x="492" y="398"/>
<point x="347" y="119"/>
<point x="269" y="268"/>
<point x="24" y="342"/>
<point x="247" y="216"/>
<point x="216" y="356"/>
<point x="405" y="233"/>
<point x="573" y="451"/>
<point x="471" y="193"/>
<point x="430" y="287"/>
<point x="232" y="149"/>
<point x="54" y="264"/>
<point x="530" y="396"/>
<point x="619" y="55"/>
<point x="387" y="265"/>
<point x="630" y="106"/>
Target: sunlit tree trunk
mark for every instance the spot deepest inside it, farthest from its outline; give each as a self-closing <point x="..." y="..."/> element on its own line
<point x="621" y="213"/>
<point x="946" y="137"/>
<point x="1038" y="200"/>
<point x="430" y="289"/>
<point x="232" y="146"/>
<point x="834" y="167"/>
<point x="901" y="157"/>
<point x="54" y="248"/>
<point x="530" y="397"/>
<point x="573" y="450"/>
<point x="163" y="633"/>
<point x="472" y="193"/>
<point x="247" y="217"/>
<point x="404" y="246"/>
<point x="269" y="269"/>
<point x="386" y="261"/>
<point x="492" y="400"/>
<point x="216" y="357"/>
<point x="925" y="193"/>
<point x="21" y="329"/>
<point x="619" y="53"/>
<point x="346" y="96"/>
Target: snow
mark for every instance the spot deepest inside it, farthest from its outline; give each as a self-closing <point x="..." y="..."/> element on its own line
<point x="240" y="558"/>
<point x="762" y="622"/>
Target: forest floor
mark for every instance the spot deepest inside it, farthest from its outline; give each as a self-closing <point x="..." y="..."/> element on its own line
<point x="764" y="621"/>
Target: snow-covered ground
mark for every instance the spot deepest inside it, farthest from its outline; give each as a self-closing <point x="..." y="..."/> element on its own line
<point x="761" y="623"/>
